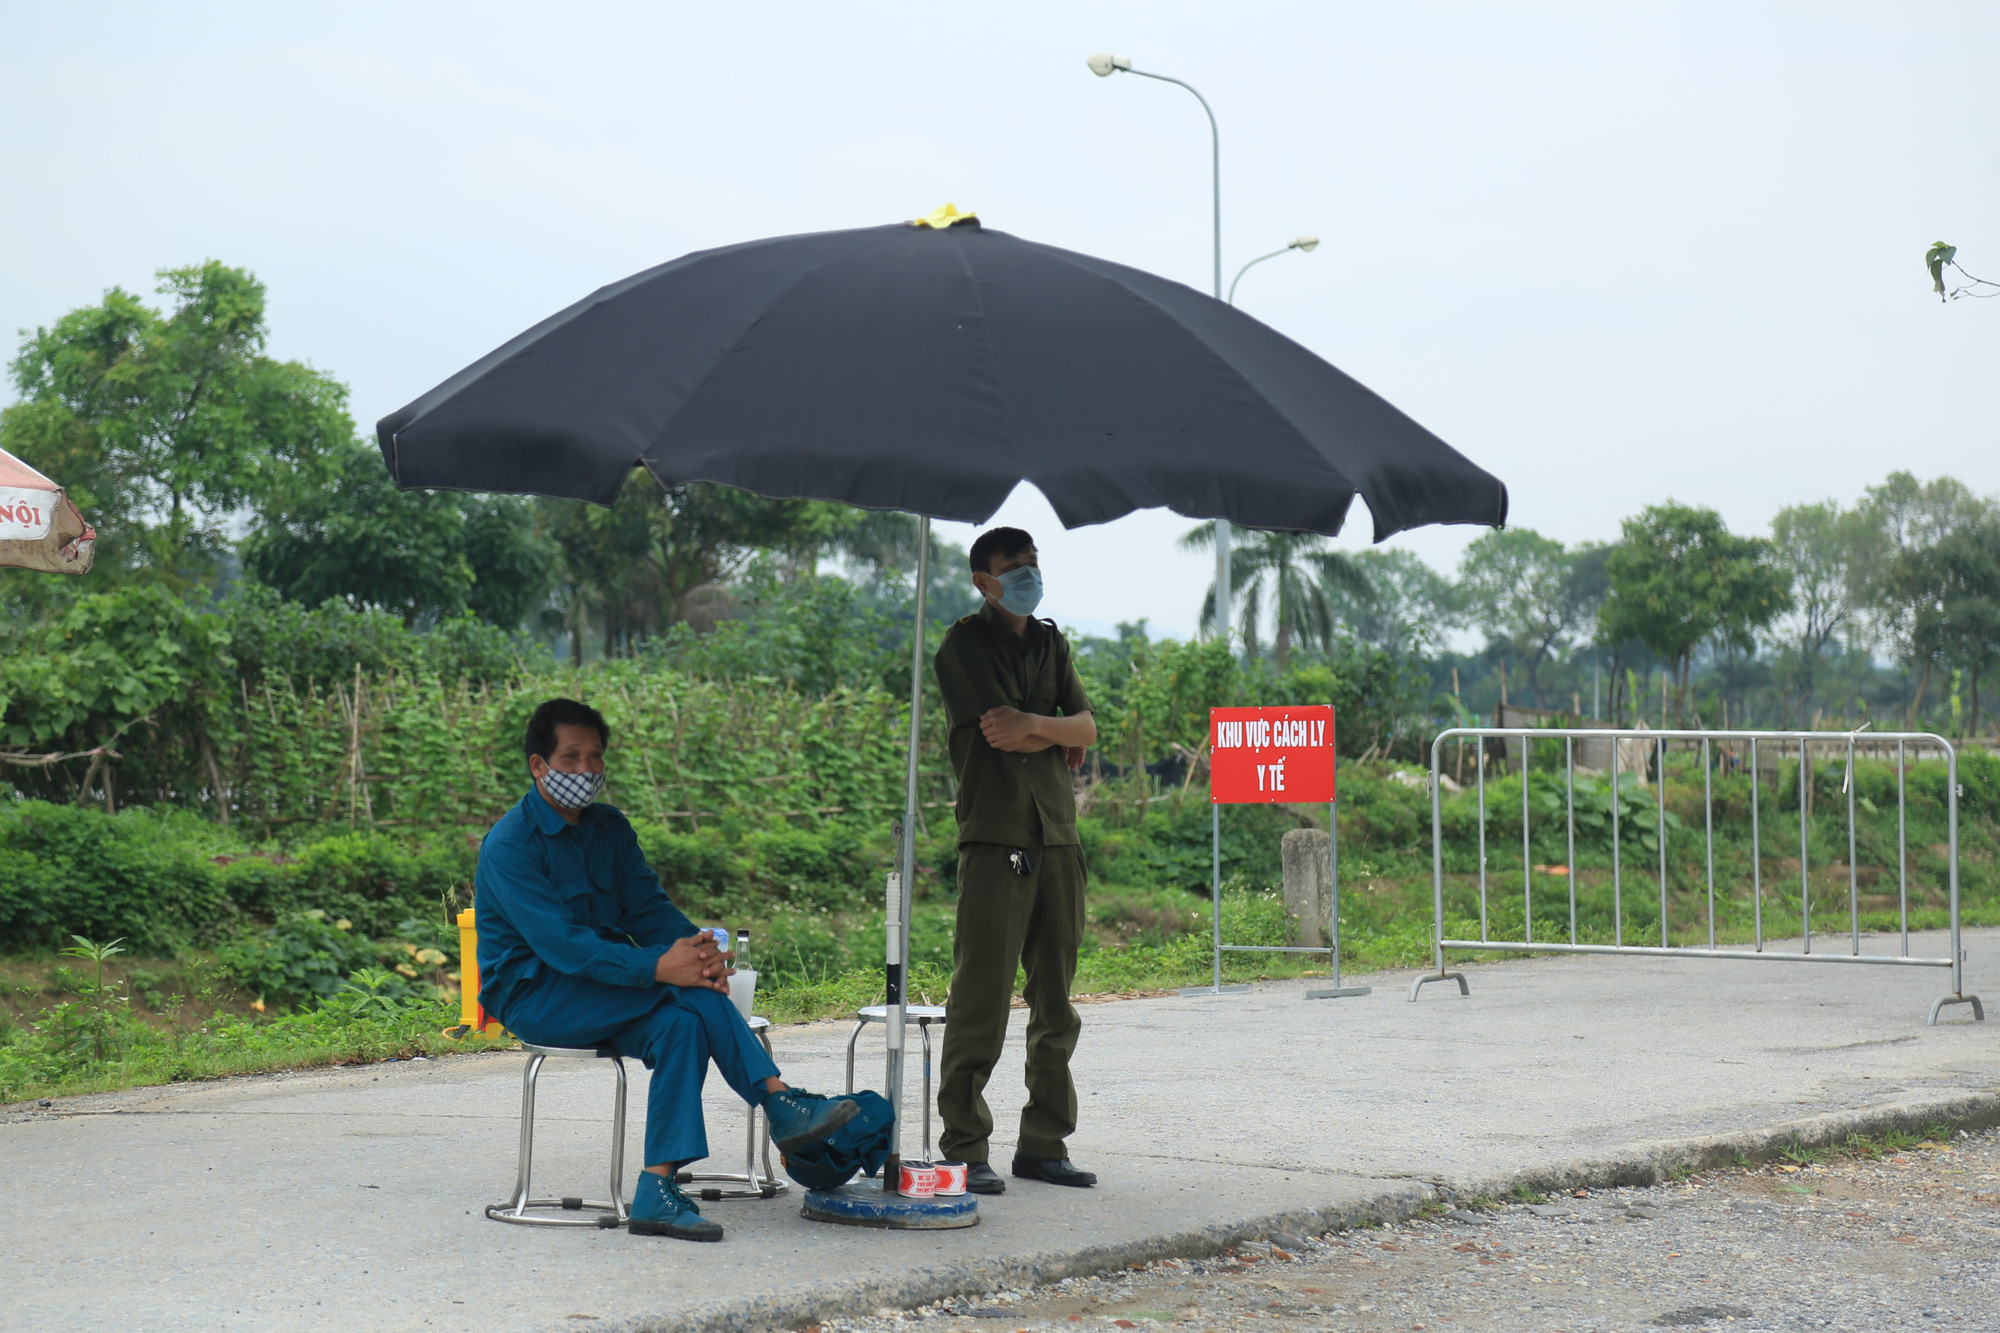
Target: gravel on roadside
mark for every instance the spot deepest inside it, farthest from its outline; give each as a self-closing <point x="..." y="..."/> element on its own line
<point x="1901" y="1240"/>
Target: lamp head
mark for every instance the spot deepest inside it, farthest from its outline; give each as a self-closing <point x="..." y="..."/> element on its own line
<point x="1104" y="66"/>
<point x="1305" y="243"/>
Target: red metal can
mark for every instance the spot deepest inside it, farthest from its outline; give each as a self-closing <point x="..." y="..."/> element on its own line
<point x="918" y="1180"/>
<point x="950" y="1178"/>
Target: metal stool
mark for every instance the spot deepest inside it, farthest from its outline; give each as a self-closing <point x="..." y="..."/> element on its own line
<point x="748" y="1183"/>
<point x="923" y="1015"/>
<point x="611" y="1214"/>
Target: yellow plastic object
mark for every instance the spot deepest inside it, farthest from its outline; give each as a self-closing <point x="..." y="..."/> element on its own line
<point x="471" y="1015"/>
<point x="948" y="216"/>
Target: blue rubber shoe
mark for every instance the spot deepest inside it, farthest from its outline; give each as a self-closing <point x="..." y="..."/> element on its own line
<point x="660" y="1209"/>
<point x="799" y="1117"/>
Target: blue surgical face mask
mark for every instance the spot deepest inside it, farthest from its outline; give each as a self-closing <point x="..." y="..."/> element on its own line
<point x="1021" y="590"/>
<point x="572" y="791"/>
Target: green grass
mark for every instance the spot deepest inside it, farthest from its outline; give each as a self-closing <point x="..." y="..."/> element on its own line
<point x="51" y="1057"/>
<point x="1871" y="1147"/>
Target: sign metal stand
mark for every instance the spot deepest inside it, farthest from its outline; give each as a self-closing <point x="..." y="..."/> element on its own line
<point x="1215" y="901"/>
<point x="1267" y="756"/>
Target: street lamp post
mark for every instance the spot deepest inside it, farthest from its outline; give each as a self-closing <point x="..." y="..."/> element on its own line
<point x="1303" y="244"/>
<point x="1104" y="66"/>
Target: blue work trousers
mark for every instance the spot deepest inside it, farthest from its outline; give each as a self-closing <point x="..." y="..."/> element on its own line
<point x="675" y="1030"/>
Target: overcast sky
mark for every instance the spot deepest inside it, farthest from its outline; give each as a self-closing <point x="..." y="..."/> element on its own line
<point x="1611" y="252"/>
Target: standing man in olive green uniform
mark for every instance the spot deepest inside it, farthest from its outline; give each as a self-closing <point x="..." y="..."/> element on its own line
<point x="1019" y="725"/>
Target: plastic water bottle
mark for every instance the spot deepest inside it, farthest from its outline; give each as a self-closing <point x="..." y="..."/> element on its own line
<point x="743" y="981"/>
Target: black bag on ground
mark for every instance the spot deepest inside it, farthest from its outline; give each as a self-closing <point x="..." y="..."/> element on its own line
<point x="861" y="1145"/>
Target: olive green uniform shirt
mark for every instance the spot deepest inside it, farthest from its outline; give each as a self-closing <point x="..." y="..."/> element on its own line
<point x="1018" y="800"/>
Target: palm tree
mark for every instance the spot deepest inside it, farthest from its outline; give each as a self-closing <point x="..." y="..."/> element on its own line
<point x="1293" y="570"/>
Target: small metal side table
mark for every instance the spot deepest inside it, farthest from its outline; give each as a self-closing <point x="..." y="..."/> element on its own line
<point x="923" y="1015"/>
<point x="518" y="1209"/>
<point x="749" y="1183"/>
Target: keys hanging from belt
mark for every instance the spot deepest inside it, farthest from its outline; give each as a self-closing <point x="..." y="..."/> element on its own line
<point x="1018" y="860"/>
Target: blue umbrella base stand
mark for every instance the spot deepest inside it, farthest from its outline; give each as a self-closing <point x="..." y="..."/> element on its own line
<point x="866" y="1204"/>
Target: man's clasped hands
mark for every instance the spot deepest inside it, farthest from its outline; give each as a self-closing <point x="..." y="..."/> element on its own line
<point x="696" y="960"/>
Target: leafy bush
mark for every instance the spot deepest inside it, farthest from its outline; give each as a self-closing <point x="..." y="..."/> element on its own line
<point x="167" y="880"/>
<point x="807" y="946"/>
<point x="137" y="875"/>
<point x="1172" y="847"/>
<point x="1637" y="808"/>
<point x="1378" y="812"/>
<point x="305" y="957"/>
<point x="809" y="868"/>
<point x="260" y="886"/>
<point x="697" y="869"/>
<point x="375" y="883"/>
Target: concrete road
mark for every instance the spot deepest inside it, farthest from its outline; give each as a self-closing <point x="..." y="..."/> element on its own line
<point x="352" y="1199"/>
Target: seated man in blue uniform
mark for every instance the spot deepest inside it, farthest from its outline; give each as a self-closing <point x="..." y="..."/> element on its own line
<point x="578" y="946"/>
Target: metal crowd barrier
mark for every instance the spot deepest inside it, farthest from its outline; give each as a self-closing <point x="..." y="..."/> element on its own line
<point x="1723" y="746"/>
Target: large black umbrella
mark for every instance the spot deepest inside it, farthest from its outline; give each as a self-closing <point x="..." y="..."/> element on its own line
<point x="931" y="368"/>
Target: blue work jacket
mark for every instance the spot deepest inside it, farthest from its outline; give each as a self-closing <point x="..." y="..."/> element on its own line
<point x="575" y="898"/>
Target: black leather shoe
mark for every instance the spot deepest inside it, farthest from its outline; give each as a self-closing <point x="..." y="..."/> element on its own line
<point x="981" y="1178"/>
<point x="1054" y="1170"/>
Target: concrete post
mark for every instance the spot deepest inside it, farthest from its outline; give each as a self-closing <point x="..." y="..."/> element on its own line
<point x="1308" y="887"/>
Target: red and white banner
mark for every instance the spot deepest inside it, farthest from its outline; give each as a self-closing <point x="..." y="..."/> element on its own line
<point x="39" y="527"/>
<point x="1270" y="754"/>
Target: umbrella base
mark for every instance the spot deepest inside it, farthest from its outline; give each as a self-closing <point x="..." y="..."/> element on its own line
<point x="865" y="1204"/>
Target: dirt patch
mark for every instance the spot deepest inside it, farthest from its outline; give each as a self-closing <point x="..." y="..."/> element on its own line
<point x="31" y="985"/>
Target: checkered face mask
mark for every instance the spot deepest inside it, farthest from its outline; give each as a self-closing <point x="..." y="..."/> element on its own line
<point x="572" y="791"/>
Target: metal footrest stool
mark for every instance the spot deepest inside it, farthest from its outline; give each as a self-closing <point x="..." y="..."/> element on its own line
<point x="519" y="1208"/>
<point x="923" y="1015"/>
<point x="749" y="1183"/>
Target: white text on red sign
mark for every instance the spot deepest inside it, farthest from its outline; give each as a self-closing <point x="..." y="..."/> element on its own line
<point x="1263" y="734"/>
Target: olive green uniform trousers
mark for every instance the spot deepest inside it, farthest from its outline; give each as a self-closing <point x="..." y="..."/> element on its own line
<point x="1006" y="920"/>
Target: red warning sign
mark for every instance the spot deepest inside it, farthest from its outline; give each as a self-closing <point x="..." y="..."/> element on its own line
<point x="1270" y="754"/>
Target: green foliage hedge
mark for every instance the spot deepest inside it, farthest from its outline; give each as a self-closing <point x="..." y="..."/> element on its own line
<point x="142" y="876"/>
<point x="166" y="881"/>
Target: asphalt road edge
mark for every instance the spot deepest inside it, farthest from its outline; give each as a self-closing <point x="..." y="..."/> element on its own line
<point x="911" y="1287"/>
<point x="1647" y="1162"/>
<point x="1655" y="1161"/>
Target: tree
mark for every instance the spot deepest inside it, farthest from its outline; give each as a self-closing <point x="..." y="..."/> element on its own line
<point x="1940" y="257"/>
<point x="1680" y="579"/>
<point x="882" y="541"/>
<point x="1520" y="588"/>
<point x="1825" y="553"/>
<point x="427" y="556"/>
<point x="1292" y="569"/>
<point x="631" y="566"/>
<point x="1908" y="517"/>
<point x="1589" y="580"/>
<point x="1958" y="614"/>
<point x="1408" y="608"/>
<point x="166" y="427"/>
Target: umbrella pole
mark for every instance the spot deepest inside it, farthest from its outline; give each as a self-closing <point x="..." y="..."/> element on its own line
<point x="897" y="925"/>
